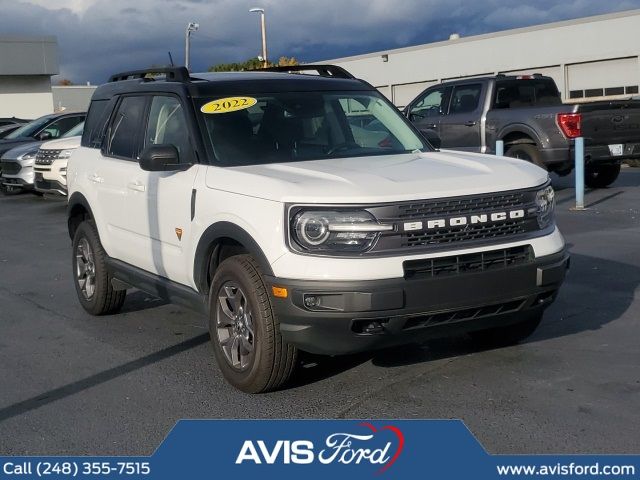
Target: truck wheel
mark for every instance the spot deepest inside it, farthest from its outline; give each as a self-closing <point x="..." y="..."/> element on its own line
<point x="507" y="335"/>
<point x="244" y="329"/>
<point x="91" y="278"/>
<point x="527" y="152"/>
<point x="600" y="176"/>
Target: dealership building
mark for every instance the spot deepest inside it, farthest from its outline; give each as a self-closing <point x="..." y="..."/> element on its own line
<point x="589" y="58"/>
<point x="26" y="67"/>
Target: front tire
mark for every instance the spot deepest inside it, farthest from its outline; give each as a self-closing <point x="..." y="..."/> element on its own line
<point x="526" y="152"/>
<point x="91" y="277"/>
<point x="507" y="335"/>
<point x="600" y="176"/>
<point x="244" y="329"/>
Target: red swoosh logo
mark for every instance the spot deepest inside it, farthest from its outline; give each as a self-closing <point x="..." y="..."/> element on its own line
<point x="400" y="437"/>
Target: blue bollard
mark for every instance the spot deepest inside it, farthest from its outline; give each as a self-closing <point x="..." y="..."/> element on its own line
<point x="579" y="171"/>
<point x="499" y="148"/>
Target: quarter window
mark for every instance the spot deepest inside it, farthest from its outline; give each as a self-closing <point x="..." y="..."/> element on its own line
<point x="123" y="131"/>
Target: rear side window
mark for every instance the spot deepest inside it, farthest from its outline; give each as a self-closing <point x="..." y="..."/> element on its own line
<point x="124" y="129"/>
<point x="465" y="98"/>
<point x="526" y="93"/>
<point x="95" y="124"/>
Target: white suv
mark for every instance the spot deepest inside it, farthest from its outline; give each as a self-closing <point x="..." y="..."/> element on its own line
<point x="302" y="212"/>
<point x="50" y="167"/>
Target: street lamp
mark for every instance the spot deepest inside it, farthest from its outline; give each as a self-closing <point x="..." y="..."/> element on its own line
<point x="264" y="35"/>
<point x="191" y="27"/>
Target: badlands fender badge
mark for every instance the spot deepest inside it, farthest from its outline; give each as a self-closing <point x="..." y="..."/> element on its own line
<point x="228" y="104"/>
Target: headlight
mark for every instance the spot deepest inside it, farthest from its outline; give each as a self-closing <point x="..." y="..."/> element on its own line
<point x="545" y="203"/>
<point x="28" y="156"/>
<point x="335" y="231"/>
<point x="65" y="154"/>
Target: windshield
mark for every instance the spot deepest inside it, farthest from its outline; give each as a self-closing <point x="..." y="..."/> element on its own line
<point x="75" y="131"/>
<point x="30" y="128"/>
<point x="297" y="126"/>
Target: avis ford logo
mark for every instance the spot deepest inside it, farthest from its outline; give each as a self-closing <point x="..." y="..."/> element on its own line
<point x="366" y="445"/>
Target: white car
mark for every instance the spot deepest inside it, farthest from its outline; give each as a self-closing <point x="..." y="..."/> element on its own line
<point x="50" y="166"/>
<point x="246" y="197"/>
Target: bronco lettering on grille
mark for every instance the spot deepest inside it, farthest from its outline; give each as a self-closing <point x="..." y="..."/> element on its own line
<point x="462" y="221"/>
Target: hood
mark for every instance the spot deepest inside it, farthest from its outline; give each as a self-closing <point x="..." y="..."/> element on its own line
<point x="8" y="144"/>
<point x="22" y="149"/>
<point x="379" y="179"/>
<point x="64" y="143"/>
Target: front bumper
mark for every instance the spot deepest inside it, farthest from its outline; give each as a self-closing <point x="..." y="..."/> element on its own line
<point x="44" y="185"/>
<point x="372" y="314"/>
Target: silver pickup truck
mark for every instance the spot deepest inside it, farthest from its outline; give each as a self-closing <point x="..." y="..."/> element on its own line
<point x="527" y="113"/>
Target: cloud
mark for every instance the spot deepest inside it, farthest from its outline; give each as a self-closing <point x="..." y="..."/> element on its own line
<point x="99" y="37"/>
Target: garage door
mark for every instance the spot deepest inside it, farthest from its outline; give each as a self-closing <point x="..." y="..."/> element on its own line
<point x="605" y="78"/>
<point x="405" y="92"/>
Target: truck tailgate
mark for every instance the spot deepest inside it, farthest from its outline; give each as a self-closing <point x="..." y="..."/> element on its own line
<point x="611" y="122"/>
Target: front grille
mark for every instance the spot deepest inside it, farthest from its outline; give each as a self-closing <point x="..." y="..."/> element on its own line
<point x="10" y="168"/>
<point x="464" y="205"/>
<point x="46" y="156"/>
<point x="440" y="318"/>
<point x="468" y="262"/>
<point x="457" y="221"/>
<point x="473" y="232"/>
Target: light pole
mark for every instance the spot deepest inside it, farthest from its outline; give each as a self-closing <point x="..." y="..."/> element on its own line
<point x="191" y="27"/>
<point x="264" y="35"/>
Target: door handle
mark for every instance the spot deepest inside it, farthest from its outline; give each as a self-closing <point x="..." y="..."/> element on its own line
<point x="431" y="125"/>
<point x="95" y="178"/>
<point x="470" y="123"/>
<point x="137" y="186"/>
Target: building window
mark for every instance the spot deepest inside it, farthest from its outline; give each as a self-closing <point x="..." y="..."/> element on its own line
<point x="631" y="89"/>
<point x="576" y="94"/>
<point x="593" y="92"/>
<point x="614" y="91"/>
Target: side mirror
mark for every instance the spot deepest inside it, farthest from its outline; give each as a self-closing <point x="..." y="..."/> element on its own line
<point x="432" y="137"/>
<point x="162" y="158"/>
<point x="45" y="135"/>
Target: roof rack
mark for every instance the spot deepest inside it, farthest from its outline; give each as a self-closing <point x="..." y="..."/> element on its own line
<point x="323" y="70"/>
<point x="177" y="74"/>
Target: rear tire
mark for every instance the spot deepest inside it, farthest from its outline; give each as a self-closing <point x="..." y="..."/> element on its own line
<point x="91" y="277"/>
<point x="507" y="335"/>
<point x="526" y="152"/>
<point x="244" y="329"/>
<point x="601" y="176"/>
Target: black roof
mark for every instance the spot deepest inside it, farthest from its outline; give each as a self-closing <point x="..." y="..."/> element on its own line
<point x="227" y="83"/>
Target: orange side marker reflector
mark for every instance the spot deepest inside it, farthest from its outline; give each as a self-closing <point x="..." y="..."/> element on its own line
<point x="279" y="292"/>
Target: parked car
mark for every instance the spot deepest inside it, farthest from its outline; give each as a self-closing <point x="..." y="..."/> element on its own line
<point x="17" y="165"/>
<point x="527" y="113"/>
<point x="250" y="198"/>
<point x="8" y="125"/>
<point x="44" y="128"/>
<point x="50" y="168"/>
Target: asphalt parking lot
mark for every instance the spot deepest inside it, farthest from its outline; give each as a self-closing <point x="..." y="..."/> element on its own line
<point x="74" y="384"/>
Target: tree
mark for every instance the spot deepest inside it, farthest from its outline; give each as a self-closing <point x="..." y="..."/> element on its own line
<point x="65" y="82"/>
<point x="251" y="64"/>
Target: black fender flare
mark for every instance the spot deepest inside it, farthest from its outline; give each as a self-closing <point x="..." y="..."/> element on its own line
<point x="206" y="244"/>
<point x="75" y="200"/>
<point x="523" y="129"/>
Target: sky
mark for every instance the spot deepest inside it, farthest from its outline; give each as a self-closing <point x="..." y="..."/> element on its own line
<point x="97" y="38"/>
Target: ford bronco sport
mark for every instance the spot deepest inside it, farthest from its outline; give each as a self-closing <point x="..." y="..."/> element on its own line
<point x="302" y="212"/>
